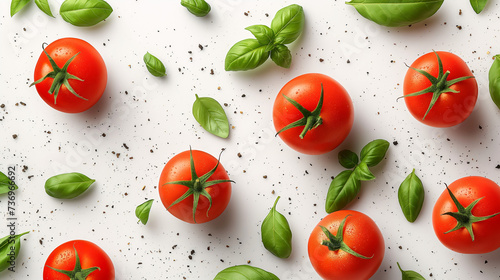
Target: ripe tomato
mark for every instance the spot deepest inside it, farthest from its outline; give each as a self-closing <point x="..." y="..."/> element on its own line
<point x="79" y="66"/>
<point x="65" y="258"/>
<point x="454" y="89"/>
<point x="479" y="200"/>
<point x="194" y="187"/>
<point x="307" y="127"/>
<point x="332" y="260"/>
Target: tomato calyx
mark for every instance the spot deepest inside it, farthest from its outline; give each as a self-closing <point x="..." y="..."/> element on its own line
<point x="439" y="85"/>
<point x="464" y="216"/>
<point x="335" y="243"/>
<point x="310" y="119"/>
<point x="60" y="76"/>
<point x="77" y="273"/>
<point x="197" y="186"/>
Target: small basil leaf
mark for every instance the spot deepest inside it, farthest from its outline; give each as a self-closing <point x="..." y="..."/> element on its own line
<point x="343" y="189"/>
<point x="211" y="116"/>
<point x="288" y="24"/>
<point x="411" y="196"/>
<point x="17" y="5"/>
<point x="9" y="249"/>
<point x="142" y="211"/>
<point x="67" y="185"/>
<point x="276" y="234"/>
<point x="245" y="55"/>
<point x="363" y="173"/>
<point x="262" y="33"/>
<point x="85" y="12"/>
<point x="6" y="185"/>
<point x="281" y="56"/>
<point x="348" y="159"/>
<point x="245" y="272"/>
<point x="478" y="5"/>
<point x="154" y="65"/>
<point x="199" y="8"/>
<point x="374" y="152"/>
<point x="44" y="6"/>
<point x="494" y="80"/>
<point x="410" y="274"/>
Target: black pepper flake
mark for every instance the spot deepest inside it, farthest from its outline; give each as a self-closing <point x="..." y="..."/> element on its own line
<point x="125" y="146"/>
<point x="498" y="166"/>
<point x="348" y="61"/>
<point x="321" y="60"/>
<point x="14" y="136"/>
<point x="459" y="27"/>
<point x="2" y="106"/>
<point x="212" y="72"/>
<point x="480" y="127"/>
<point x="200" y="46"/>
<point x="395" y="143"/>
<point x="239" y="154"/>
<point x="22" y="103"/>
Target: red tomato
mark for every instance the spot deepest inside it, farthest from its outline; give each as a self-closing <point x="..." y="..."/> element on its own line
<point x="450" y="108"/>
<point x="336" y="115"/>
<point x="87" y="65"/>
<point x="486" y="232"/>
<point x="89" y="254"/>
<point x="360" y="233"/>
<point x="179" y="169"/>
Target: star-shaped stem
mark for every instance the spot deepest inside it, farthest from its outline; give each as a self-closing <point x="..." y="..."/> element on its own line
<point x="77" y="273"/>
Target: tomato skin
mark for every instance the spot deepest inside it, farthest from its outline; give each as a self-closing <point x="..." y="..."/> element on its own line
<point x="451" y="108"/>
<point x="178" y="169"/>
<point x="337" y="113"/>
<point x="63" y="257"/>
<point x="88" y="65"/>
<point x="486" y="233"/>
<point x="361" y="234"/>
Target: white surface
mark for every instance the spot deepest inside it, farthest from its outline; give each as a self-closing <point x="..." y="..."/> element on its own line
<point x="147" y="113"/>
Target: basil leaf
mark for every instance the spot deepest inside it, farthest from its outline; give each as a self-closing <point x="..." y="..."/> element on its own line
<point x="17" y="5"/>
<point x="363" y="173"/>
<point x="8" y="245"/>
<point x="478" y="5"/>
<point x="6" y="185"/>
<point x="85" y="12"/>
<point x="44" y="6"/>
<point x="154" y="65"/>
<point x="245" y="272"/>
<point x="494" y="80"/>
<point x="411" y="196"/>
<point x="394" y="13"/>
<point x="142" y="211"/>
<point x="211" y="116"/>
<point x="374" y="152"/>
<point x="348" y="159"/>
<point x="245" y="55"/>
<point x="288" y="24"/>
<point x="281" y="56"/>
<point x="343" y="189"/>
<point x="262" y="33"/>
<point x="199" y="8"/>
<point x="276" y="234"/>
<point x="67" y="185"/>
<point x="410" y="274"/>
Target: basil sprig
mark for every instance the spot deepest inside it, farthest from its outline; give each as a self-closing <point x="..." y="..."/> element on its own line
<point x="6" y="185"/>
<point x="211" y="116"/>
<point x="85" y="12"/>
<point x="409" y="274"/>
<point x="199" y="8"/>
<point x="478" y="5"/>
<point x="154" y="65"/>
<point x="142" y="211"/>
<point x="245" y="272"/>
<point x="411" y="196"/>
<point x="8" y="245"/>
<point x="276" y="233"/>
<point x="345" y="187"/>
<point x="67" y="185"/>
<point x="286" y="27"/>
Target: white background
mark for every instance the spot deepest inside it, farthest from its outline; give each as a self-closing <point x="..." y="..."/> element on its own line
<point x="147" y="113"/>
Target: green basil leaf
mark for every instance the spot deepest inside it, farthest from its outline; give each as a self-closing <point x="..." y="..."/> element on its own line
<point x="17" y="5"/>
<point x="348" y="159"/>
<point x="363" y="173"/>
<point x="394" y="13"/>
<point x="410" y="274"/>
<point x="9" y="247"/>
<point x="276" y="234"/>
<point x="262" y="33"/>
<point x="67" y="185"/>
<point x="288" y="24"/>
<point x="211" y="116"/>
<point x="411" y="196"/>
<point x="85" y="12"/>
<point x="199" y="8"/>
<point x="494" y="80"/>
<point x="478" y="5"/>
<point x="343" y="189"/>
<point x="6" y="185"/>
<point x="44" y="6"/>
<point x="245" y="55"/>
<point x="142" y="211"/>
<point x="154" y="65"/>
<point x="245" y="272"/>
<point x="281" y="56"/>
<point x="374" y="152"/>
